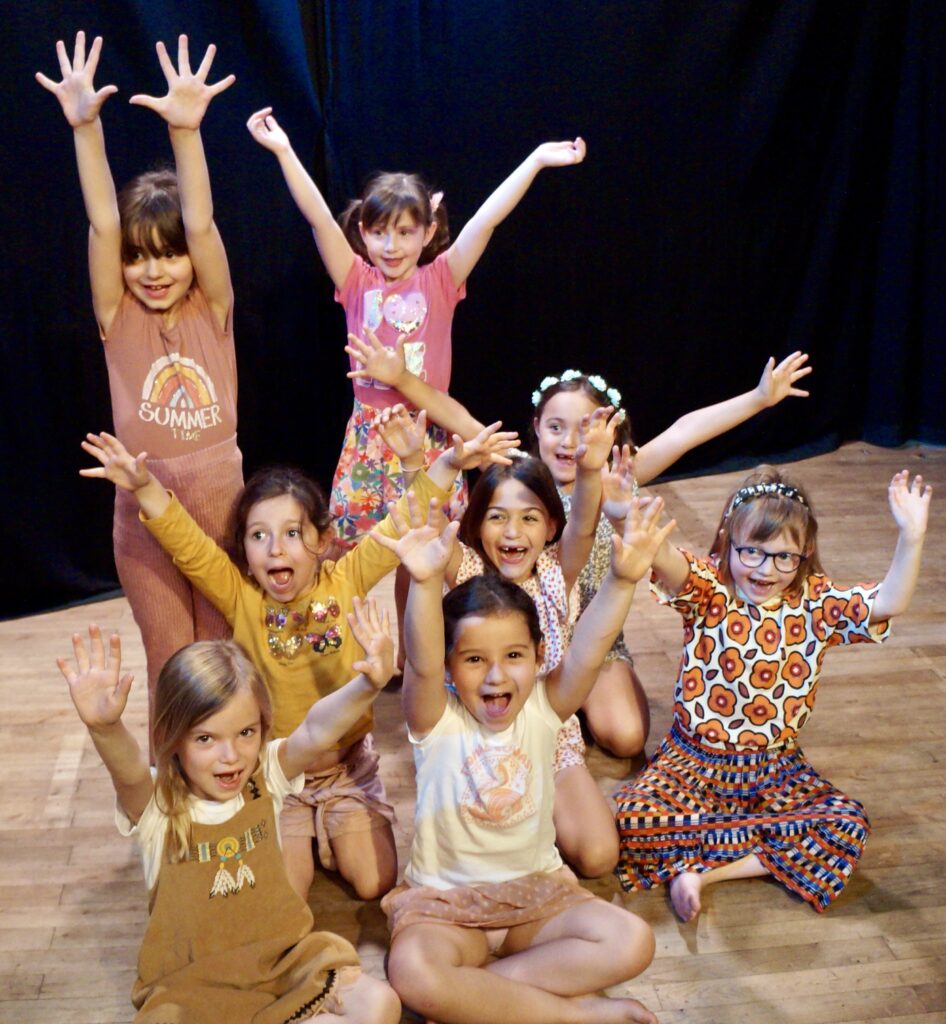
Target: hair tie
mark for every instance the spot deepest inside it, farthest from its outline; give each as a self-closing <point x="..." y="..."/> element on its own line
<point x="435" y="200"/>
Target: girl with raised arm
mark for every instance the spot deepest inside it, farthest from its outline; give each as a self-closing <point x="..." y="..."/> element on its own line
<point x="164" y="306"/>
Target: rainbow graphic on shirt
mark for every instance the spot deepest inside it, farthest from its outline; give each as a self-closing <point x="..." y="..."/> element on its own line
<point x="179" y="394"/>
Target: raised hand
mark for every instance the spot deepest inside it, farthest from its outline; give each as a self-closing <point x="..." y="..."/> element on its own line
<point x="489" y="445"/>
<point x="188" y="94"/>
<point x="424" y="544"/>
<point x="778" y="382"/>
<point x="400" y="431"/>
<point x="77" y="95"/>
<point x="633" y="554"/>
<point x="910" y="504"/>
<point x="560" y="154"/>
<point x="617" y="484"/>
<point x="266" y="131"/>
<point x="596" y="437"/>
<point x="118" y="465"/>
<point x="373" y="633"/>
<point x="376" y="361"/>
<point x="96" y="685"/>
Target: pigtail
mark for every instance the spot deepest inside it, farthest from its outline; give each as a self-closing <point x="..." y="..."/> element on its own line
<point x="441" y="240"/>
<point x="348" y="221"/>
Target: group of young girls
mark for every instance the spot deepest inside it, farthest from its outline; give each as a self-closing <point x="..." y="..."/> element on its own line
<point x="265" y="653"/>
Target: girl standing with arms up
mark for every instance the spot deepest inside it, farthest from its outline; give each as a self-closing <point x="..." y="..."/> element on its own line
<point x="396" y="273"/>
<point x="729" y="793"/>
<point x="490" y="926"/>
<point x="162" y="298"/>
<point x="227" y="937"/>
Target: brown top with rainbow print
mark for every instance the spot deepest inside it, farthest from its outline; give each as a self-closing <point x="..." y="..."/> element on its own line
<point x="173" y="390"/>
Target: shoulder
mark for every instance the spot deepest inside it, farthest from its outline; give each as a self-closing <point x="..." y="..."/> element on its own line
<point x="471" y="564"/>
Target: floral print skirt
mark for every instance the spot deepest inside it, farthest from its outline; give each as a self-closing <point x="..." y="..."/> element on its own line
<point x="368" y="476"/>
<point x="694" y="808"/>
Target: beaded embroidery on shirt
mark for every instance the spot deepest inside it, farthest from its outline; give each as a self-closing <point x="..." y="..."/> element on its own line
<point x="230" y="848"/>
<point x="288" y="631"/>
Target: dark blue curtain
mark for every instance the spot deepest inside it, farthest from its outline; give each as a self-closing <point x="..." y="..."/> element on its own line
<point x="761" y="177"/>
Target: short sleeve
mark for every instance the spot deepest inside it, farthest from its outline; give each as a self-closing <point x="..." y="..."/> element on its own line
<point x="698" y="591"/>
<point x="276" y="782"/>
<point x="842" y="615"/>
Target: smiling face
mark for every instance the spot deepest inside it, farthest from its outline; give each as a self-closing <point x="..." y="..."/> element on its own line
<point x="219" y="754"/>
<point x="283" y="549"/>
<point x="557" y="433"/>
<point x="158" y="276"/>
<point x="395" y="246"/>
<point x="764" y="583"/>
<point x="515" y="530"/>
<point x="492" y="666"/>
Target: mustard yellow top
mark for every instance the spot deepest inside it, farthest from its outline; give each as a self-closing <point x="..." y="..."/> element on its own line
<point x="304" y="650"/>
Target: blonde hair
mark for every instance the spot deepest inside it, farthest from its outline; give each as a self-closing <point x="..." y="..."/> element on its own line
<point x="757" y="517"/>
<point x="196" y="683"/>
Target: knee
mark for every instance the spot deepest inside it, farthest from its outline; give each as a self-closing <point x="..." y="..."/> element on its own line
<point x="370" y="880"/>
<point x="595" y="855"/>
<point x="622" y="739"/>
<point x="629" y="940"/>
<point x="410" y="976"/>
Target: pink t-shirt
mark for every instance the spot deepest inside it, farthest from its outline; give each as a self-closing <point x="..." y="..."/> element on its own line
<point x="421" y="307"/>
<point x="174" y="390"/>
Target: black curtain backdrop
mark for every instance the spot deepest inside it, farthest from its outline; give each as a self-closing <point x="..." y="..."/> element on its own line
<point x="761" y="177"/>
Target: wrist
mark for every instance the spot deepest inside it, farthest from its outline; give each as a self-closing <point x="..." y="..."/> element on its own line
<point x="413" y="463"/>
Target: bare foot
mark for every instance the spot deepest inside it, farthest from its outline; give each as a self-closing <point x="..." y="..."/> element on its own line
<point x="685" y="895"/>
<point x="602" y="1010"/>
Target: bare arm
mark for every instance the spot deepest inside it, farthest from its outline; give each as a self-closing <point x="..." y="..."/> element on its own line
<point x="99" y="692"/>
<point x="466" y="251"/>
<point x="702" y="425"/>
<point x="127" y="473"/>
<point x="82" y="105"/>
<point x="631" y="556"/>
<point x="184" y="107"/>
<point x="388" y="366"/>
<point x="333" y="715"/>
<point x="424" y="548"/>
<point x="336" y="253"/>
<point x="910" y="504"/>
<point x="596" y="438"/>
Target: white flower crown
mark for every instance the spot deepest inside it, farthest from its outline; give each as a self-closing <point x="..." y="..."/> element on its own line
<point x="598" y="383"/>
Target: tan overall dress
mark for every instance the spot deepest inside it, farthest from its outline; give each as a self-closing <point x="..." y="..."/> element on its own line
<point x="228" y="939"/>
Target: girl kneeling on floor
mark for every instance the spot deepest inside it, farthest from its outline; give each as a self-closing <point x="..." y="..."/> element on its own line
<point x="490" y="926"/>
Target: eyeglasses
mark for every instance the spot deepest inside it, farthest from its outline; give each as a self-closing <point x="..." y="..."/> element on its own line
<point x="784" y="561"/>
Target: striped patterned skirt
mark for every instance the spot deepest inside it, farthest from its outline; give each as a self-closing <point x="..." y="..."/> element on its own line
<point x="694" y="808"/>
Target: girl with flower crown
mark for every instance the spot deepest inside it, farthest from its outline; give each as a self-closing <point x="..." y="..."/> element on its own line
<point x="729" y="793"/>
<point x="616" y="710"/>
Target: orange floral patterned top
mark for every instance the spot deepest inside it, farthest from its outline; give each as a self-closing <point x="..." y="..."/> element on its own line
<point x="749" y="673"/>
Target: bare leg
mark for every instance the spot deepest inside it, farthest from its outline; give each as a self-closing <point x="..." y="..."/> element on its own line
<point x="685" y="889"/>
<point x="300" y="864"/>
<point x="368" y="1001"/>
<point x="437" y="970"/>
<point x="367" y="861"/>
<point x="584" y="823"/>
<point x="616" y="710"/>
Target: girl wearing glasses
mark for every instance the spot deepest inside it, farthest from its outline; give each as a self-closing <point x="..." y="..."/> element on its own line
<point x="729" y="793"/>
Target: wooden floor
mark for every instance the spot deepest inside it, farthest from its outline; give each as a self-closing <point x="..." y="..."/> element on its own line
<point x="72" y="901"/>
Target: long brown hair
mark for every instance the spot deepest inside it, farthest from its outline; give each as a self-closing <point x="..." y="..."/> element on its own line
<point x="195" y="683"/>
<point x="759" y="517"/>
